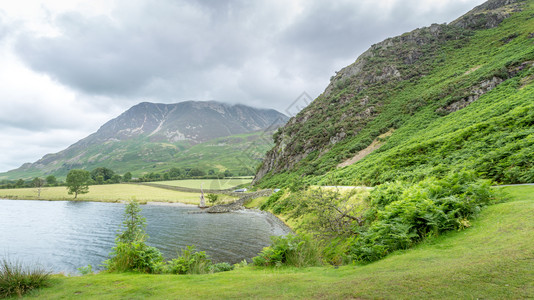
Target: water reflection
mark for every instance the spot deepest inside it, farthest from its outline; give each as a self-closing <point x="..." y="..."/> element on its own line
<point x="65" y="235"/>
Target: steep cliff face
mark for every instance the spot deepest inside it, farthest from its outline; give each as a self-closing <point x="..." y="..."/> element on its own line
<point x="382" y="89"/>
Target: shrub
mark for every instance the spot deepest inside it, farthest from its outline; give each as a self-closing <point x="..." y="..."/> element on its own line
<point x="190" y="262"/>
<point x="85" y="270"/>
<point x="221" y="267"/>
<point x="131" y="253"/>
<point x="290" y="250"/>
<point x="406" y="214"/>
<point x="135" y="256"/>
<point x="212" y="198"/>
<point x="17" y="279"/>
<point x="271" y="200"/>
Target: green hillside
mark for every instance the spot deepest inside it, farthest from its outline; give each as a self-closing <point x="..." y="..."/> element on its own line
<point x="450" y="97"/>
<point x="238" y="153"/>
<point x="493" y="259"/>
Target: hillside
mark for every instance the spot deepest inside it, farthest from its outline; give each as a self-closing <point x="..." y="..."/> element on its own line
<point x="439" y="98"/>
<point x="151" y="137"/>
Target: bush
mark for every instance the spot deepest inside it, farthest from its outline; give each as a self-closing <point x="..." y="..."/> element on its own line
<point x="406" y="214"/>
<point x="190" y="262"/>
<point x="221" y="267"/>
<point x="17" y="279"/>
<point x="85" y="270"/>
<point x="135" y="256"/>
<point x="131" y="253"/>
<point x="290" y="250"/>
<point x="212" y="198"/>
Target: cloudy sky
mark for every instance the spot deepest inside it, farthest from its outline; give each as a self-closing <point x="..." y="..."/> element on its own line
<point x="68" y="66"/>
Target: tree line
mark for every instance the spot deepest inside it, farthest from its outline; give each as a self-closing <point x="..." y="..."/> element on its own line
<point x="103" y="175"/>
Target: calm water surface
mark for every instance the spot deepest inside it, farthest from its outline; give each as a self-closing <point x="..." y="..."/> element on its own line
<point x="64" y="235"/>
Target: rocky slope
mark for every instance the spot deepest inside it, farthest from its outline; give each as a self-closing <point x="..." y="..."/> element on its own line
<point x="432" y="72"/>
<point x="152" y="135"/>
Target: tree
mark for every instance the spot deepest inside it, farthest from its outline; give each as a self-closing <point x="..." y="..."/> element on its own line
<point x="212" y="198"/>
<point x="175" y="173"/>
<point x="116" y="178"/>
<point x="51" y="180"/>
<point x="131" y="253"/>
<point x="332" y="212"/>
<point x="127" y="176"/>
<point x="196" y="172"/>
<point x="134" y="225"/>
<point x="77" y="182"/>
<point x="99" y="179"/>
<point x="38" y="183"/>
<point x="102" y="171"/>
<point x="19" y="183"/>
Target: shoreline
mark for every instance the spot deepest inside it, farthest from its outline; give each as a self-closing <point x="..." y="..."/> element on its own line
<point x="105" y="201"/>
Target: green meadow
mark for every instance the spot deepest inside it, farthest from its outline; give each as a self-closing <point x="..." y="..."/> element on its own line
<point x="105" y="193"/>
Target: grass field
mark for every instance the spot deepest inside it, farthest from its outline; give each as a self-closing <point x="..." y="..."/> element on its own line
<point x="493" y="259"/>
<point x="105" y="193"/>
<point x="211" y="184"/>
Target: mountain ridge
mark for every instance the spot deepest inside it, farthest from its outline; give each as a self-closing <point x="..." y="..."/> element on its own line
<point x="152" y="130"/>
<point x="420" y="76"/>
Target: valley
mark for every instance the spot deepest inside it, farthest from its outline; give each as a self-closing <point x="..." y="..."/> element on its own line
<point x="409" y="176"/>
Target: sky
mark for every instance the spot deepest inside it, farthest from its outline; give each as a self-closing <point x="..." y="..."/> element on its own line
<point x="69" y="66"/>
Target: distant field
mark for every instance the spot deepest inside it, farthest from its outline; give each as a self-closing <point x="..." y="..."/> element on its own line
<point x="105" y="193"/>
<point x="211" y="184"/>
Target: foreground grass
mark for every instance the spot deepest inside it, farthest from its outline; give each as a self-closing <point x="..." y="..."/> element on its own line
<point x="105" y="193"/>
<point x="212" y="184"/>
<point x="493" y="259"/>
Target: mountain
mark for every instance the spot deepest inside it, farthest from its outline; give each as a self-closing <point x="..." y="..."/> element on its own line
<point x="437" y="99"/>
<point x="151" y="137"/>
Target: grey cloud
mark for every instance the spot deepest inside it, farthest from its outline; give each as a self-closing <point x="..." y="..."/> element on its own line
<point x="170" y="50"/>
<point x="142" y="43"/>
<point x="327" y="33"/>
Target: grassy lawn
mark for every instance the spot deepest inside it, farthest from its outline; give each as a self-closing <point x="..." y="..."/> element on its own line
<point x="212" y="184"/>
<point x="493" y="259"/>
<point x="105" y="193"/>
<point x="520" y="192"/>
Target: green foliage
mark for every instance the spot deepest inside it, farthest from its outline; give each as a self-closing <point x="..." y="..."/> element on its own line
<point x="17" y="279"/>
<point x="85" y="270"/>
<point x="289" y="250"/>
<point x="404" y="215"/>
<point x="492" y="135"/>
<point x="134" y="224"/>
<point x="102" y="172"/>
<point x="221" y="267"/>
<point x="78" y="182"/>
<point x="271" y="200"/>
<point x="212" y="198"/>
<point x="127" y="176"/>
<point x="51" y="180"/>
<point x="131" y="253"/>
<point x="136" y="256"/>
<point x="190" y="261"/>
<point x="38" y="182"/>
<point x="330" y="212"/>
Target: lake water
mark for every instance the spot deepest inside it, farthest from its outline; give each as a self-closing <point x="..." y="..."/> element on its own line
<point x="65" y="235"/>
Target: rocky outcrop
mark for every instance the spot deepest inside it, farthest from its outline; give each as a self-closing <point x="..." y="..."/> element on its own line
<point x="357" y="93"/>
<point x="476" y="92"/>
<point x="488" y="15"/>
<point x="239" y="204"/>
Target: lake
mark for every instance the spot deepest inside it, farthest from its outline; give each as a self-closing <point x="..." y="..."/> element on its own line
<point x="65" y="235"/>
